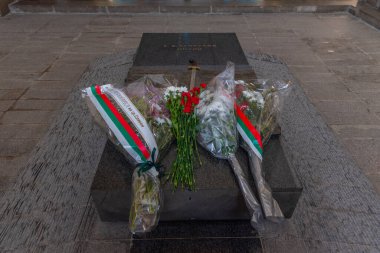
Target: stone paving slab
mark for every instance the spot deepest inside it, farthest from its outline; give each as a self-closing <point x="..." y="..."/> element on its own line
<point x="26" y="117"/>
<point x="5" y="105"/>
<point x="357" y="131"/>
<point x="10" y="94"/>
<point x="39" y="104"/>
<point x="24" y="131"/>
<point x="17" y="147"/>
<point x="53" y="84"/>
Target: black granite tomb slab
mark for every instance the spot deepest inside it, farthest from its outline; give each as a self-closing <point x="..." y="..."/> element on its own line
<point x="217" y="195"/>
<point x="173" y="49"/>
<point x="169" y="53"/>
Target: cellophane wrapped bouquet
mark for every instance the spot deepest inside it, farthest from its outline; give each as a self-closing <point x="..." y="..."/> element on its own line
<point x="137" y="122"/>
<point x="257" y="106"/>
<point x="218" y="132"/>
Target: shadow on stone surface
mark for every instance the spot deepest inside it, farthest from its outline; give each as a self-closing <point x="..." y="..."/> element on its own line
<point x="222" y="245"/>
<point x="195" y="236"/>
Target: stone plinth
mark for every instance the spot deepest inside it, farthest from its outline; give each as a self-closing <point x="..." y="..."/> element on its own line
<point x="217" y="195"/>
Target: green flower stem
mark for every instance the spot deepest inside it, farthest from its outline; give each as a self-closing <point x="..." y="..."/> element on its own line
<point x="184" y="129"/>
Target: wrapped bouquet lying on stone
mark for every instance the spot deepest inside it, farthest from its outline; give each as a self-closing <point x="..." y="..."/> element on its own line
<point x="218" y="134"/>
<point x="137" y="122"/>
<point x="257" y="106"/>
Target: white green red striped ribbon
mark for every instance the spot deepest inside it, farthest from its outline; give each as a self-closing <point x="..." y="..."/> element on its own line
<point x="124" y="133"/>
<point x="134" y="115"/>
<point x="248" y="132"/>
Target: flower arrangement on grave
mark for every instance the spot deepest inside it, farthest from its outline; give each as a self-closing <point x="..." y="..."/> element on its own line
<point x="181" y="103"/>
<point x="137" y="122"/>
<point x="256" y="107"/>
<point x="218" y="133"/>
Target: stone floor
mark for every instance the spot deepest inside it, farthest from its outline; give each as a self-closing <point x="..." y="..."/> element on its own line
<point x="335" y="57"/>
<point x="182" y="6"/>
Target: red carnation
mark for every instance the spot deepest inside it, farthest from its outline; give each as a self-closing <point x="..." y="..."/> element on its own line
<point x="187" y="108"/>
<point x="186" y="96"/>
<point x="238" y="90"/>
<point x="203" y="85"/>
<point x="195" y="100"/>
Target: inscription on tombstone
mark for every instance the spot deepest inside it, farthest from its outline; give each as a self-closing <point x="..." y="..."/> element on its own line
<point x="170" y="53"/>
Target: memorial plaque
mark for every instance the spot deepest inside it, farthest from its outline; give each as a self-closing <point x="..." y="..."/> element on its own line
<point x="169" y="53"/>
<point x="173" y="49"/>
<point x="217" y="195"/>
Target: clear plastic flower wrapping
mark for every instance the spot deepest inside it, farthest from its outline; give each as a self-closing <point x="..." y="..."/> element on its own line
<point x="261" y="101"/>
<point x="146" y="94"/>
<point x="218" y="133"/>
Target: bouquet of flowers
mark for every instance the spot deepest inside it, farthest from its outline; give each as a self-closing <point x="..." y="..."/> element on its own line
<point x="256" y="107"/>
<point x="147" y="94"/>
<point x="137" y="123"/>
<point x="181" y="104"/>
<point x="218" y="134"/>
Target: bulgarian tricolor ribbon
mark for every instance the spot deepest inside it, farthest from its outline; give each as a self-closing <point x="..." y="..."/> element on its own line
<point x="119" y="126"/>
<point x="248" y="132"/>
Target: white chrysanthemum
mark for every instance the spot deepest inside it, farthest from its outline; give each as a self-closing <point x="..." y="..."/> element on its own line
<point x="160" y="120"/>
<point x="239" y="82"/>
<point x="254" y="97"/>
<point x="157" y="107"/>
<point x="173" y="91"/>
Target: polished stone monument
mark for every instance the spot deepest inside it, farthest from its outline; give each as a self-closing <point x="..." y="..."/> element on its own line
<point x="170" y="53"/>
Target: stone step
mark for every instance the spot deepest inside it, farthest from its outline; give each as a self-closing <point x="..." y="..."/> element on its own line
<point x="167" y="6"/>
<point x="374" y="3"/>
<point x="369" y="14"/>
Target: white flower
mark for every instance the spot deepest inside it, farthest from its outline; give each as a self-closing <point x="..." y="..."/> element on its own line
<point x="168" y="121"/>
<point x="254" y="97"/>
<point x="174" y="91"/>
<point x="160" y="120"/>
<point x="239" y="82"/>
<point x="157" y="107"/>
